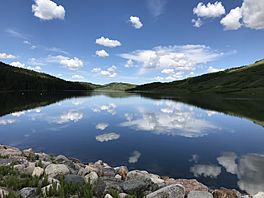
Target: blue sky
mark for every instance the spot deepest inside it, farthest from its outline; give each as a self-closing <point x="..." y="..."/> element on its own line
<point x="135" y="41"/>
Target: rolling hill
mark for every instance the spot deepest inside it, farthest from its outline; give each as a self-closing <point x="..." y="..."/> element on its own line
<point x="19" y="79"/>
<point x="241" y="81"/>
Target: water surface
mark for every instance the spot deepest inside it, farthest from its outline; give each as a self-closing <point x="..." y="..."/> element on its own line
<point x="181" y="138"/>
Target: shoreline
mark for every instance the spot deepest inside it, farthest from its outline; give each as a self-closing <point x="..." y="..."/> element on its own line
<point x="59" y="176"/>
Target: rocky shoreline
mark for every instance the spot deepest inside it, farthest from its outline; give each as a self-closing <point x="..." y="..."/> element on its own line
<point x="26" y="174"/>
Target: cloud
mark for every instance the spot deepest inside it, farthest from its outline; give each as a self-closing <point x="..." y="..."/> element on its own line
<point x="107" y="137"/>
<point x="213" y="70"/>
<point x="109" y="72"/>
<point x="18" y="114"/>
<point x="210" y="10"/>
<point x="135" y="21"/>
<point x="16" y="34"/>
<point x="108" y="42"/>
<point x="156" y="7"/>
<point x="101" y="126"/>
<point x="250" y="15"/>
<point x="134" y="157"/>
<point x="197" y="22"/>
<point x="129" y="64"/>
<point x="71" y="63"/>
<point x="183" y="58"/>
<point x="77" y="77"/>
<point x="57" y="50"/>
<point x="6" y="56"/>
<point x="71" y="116"/>
<point x="167" y="71"/>
<point x="29" y="44"/>
<point x="101" y="53"/>
<point x="22" y="65"/>
<point x="228" y="160"/>
<point x="48" y="10"/>
<point x="173" y="119"/>
<point x="4" y="121"/>
<point x="206" y="170"/>
<point x="232" y="20"/>
<point x="110" y="108"/>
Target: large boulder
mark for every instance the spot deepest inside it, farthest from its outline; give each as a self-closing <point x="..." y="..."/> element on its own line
<point x="259" y="195"/>
<point x="7" y="151"/>
<point x="38" y="171"/>
<point x="54" y="170"/>
<point x="122" y="171"/>
<point x="199" y="194"/>
<point x="172" y="191"/>
<point x="92" y="177"/>
<point x="106" y="185"/>
<point x="226" y="193"/>
<point x="188" y="184"/>
<point x="28" y="192"/>
<point x="137" y="185"/>
<point x="74" y="179"/>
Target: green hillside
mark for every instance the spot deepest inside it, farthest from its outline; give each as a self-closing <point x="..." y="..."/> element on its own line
<point x="19" y="79"/>
<point x="241" y="81"/>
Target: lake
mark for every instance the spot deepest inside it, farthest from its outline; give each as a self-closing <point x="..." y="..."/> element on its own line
<point x="217" y="141"/>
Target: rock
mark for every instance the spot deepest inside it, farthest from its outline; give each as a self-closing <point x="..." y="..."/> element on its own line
<point x="75" y="179"/>
<point x="225" y="193"/>
<point x="8" y="151"/>
<point x="199" y="194"/>
<point x="108" y="196"/>
<point x="118" y="177"/>
<point x="30" y="168"/>
<point x="136" y="186"/>
<point x="188" y="184"/>
<point x="172" y="191"/>
<point x="54" y="170"/>
<point x="92" y="168"/>
<point x="28" y="192"/>
<point x="108" y="172"/>
<point x="122" y="171"/>
<point x="29" y="153"/>
<point x="61" y="159"/>
<point x="123" y="195"/>
<point x="3" y="192"/>
<point x="136" y="174"/>
<point x="91" y="177"/>
<point x="20" y="168"/>
<point x="52" y="180"/>
<point x="259" y="195"/>
<point x="38" y="172"/>
<point x="43" y="156"/>
<point x="6" y="162"/>
<point x="106" y="185"/>
<point x="157" y="180"/>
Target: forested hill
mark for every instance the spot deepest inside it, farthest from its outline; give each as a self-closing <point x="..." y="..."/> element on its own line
<point x="241" y="81"/>
<point x="19" y="79"/>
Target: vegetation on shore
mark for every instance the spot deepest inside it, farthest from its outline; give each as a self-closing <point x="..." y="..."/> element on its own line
<point x="241" y="81"/>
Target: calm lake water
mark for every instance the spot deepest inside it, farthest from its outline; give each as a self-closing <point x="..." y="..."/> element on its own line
<point x="163" y="136"/>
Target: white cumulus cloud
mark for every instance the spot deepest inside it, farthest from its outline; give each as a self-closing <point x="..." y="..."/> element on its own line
<point x="156" y="7"/>
<point x="4" y="121"/>
<point x="211" y="10"/>
<point x="213" y="70"/>
<point x="101" y="126"/>
<point x="134" y="157"/>
<point x="22" y="65"/>
<point x="206" y="170"/>
<point x="109" y="72"/>
<point x="70" y="116"/>
<point x="135" y="21"/>
<point x="48" y="10"/>
<point x="77" y="77"/>
<point x="71" y="63"/>
<point x="197" y="22"/>
<point x="101" y="53"/>
<point x="7" y="56"/>
<point x="232" y="20"/>
<point x="108" y="42"/>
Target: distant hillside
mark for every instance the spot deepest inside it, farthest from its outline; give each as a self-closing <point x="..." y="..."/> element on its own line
<point x="116" y="86"/>
<point x="18" y="79"/>
<point x="245" y="81"/>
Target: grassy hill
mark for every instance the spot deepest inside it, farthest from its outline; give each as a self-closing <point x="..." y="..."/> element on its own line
<point x="19" y="79"/>
<point x="241" y="81"/>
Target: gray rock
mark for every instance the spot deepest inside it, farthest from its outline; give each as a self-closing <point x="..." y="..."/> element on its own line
<point x="108" y="196"/>
<point x="122" y="171"/>
<point x="75" y="179"/>
<point x="61" y="159"/>
<point x="92" y="177"/>
<point x="28" y="192"/>
<point x="108" y="172"/>
<point x="172" y="191"/>
<point x="199" y="194"/>
<point x="136" y="186"/>
<point x="54" y="170"/>
<point x="106" y="185"/>
<point x="118" y="177"/>
<point x="9" y="151"/>
<point x="6" y="162"/>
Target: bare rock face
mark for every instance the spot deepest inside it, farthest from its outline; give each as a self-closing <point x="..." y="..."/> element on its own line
<point x="54" y="170"/>
<point x="122" y="171"/>
<point x="259" y="195"/>
<point x="199" y="194"/>
<point x="172" y="191"/>
<point x="28" y="192"/>
<point x="188" y="184"/>
<point x="226" y="193"/>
